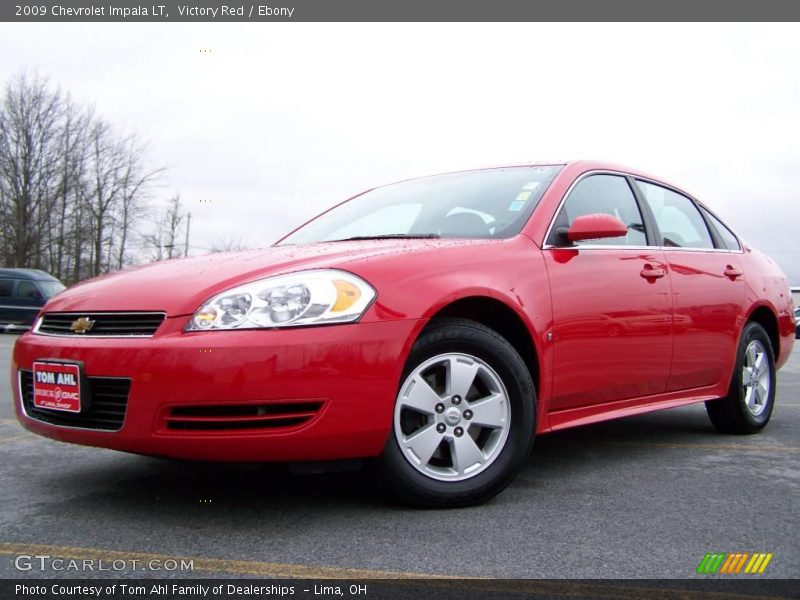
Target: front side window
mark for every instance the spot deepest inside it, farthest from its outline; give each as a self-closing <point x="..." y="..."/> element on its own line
<point x="493" y="203"/>
<point x="680" y="222"/>
<point x="51" y="288"/>
<point x="608" y="194"/>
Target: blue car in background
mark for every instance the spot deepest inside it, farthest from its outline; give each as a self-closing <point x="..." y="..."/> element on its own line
<point x="797" y="322"/>
<point x="23" y="292"/>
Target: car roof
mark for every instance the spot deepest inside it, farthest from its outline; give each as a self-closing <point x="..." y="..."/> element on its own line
<point x="580" y="166"/>
<point x="572" y="166"/>
<point x="29" y="274"/>
<point x="595" y="165"/>
<point x="583" y="166"/>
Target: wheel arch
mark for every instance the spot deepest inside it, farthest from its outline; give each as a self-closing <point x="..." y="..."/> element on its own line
<point x="766" y="317"/>
<point x="503" y="319"/>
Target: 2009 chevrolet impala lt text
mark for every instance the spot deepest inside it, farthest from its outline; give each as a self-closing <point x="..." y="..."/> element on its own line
<point x="434" y="325"/>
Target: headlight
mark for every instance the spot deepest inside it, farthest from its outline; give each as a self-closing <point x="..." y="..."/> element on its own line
<point x="303" y="298"/>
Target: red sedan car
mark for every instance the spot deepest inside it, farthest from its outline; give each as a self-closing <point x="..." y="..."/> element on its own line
<point x="436" y="325"/>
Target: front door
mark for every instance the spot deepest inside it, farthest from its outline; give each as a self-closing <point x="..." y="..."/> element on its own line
<point x="612" y="330"/>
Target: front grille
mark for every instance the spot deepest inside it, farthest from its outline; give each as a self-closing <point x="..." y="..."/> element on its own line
<point x="241" y="416"/>
<point x="140" y="324"/>
<point x="108" y="402"/>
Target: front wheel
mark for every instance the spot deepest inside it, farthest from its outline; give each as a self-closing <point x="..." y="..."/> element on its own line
<point x="464" y="418"/>
<point x="748" y="406"/>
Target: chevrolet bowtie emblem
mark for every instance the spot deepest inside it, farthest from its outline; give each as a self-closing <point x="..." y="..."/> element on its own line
<point x="82" y="325"/>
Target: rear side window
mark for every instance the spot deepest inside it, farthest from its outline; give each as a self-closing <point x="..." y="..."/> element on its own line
<point x="609" y="194"/>
<point x="28" y="290"/>
<point x="680" y="222"/>
<point x="6" y="287"/>
<point x="725" y="234"/>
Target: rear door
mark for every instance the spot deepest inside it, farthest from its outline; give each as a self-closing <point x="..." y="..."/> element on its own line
<point x="707" y="284"/>
<point x="611" y="299"/>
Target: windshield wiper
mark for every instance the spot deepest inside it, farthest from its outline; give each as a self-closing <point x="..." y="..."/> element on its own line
<point x="391" y="236"/>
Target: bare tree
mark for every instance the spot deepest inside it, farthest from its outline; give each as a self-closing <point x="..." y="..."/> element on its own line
<point x="137" y="182"/>
<point x="162" y="242"/>
<point x="103" y="190"/>
<point x="29" y="162"/>
<point x="118" y="184"/>
<point x="61" y="232"/>
<point x="73" y="190"/>
<point x="230" y="244"/>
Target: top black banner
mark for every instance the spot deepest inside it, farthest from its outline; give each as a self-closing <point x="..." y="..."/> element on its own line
<point x="401" y="10"/>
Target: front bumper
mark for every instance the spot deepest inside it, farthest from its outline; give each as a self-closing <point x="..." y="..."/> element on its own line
<point x="350" y="372"/>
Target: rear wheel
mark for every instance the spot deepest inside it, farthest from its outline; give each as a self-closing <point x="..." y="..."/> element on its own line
<point x="748" y="406"/>
<point x="464" y="418"/>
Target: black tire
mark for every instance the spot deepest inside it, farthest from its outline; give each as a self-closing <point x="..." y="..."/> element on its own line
<point x="410" y="486"/>
<point x="731" y="413"/>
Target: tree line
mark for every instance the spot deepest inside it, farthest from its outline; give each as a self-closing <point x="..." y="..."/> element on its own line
<point x="76" y="193"/>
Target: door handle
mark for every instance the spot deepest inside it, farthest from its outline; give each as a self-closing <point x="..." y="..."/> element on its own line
<point x="651" y="272"/>
<point x="732" y="272"/>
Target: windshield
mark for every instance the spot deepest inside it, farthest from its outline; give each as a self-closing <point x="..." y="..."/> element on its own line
<point x="50" y="288"/>
<point x="493" y="203"/>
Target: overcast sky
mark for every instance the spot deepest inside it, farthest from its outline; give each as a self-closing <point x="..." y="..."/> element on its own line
<point x="279" y="121"/>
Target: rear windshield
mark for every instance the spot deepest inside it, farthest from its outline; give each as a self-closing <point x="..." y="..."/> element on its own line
<point x="493" y="203"/>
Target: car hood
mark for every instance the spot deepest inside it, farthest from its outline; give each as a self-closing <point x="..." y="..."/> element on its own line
<point x="180" y="286"/>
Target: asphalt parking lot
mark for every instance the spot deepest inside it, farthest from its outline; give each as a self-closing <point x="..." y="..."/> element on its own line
<point x="642" y="497"/>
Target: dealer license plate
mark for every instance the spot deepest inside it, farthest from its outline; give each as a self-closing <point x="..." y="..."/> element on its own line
<point x="57" y="386"/>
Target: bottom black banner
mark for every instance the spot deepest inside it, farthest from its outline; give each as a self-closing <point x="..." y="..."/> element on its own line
<point x="394" y="589"/>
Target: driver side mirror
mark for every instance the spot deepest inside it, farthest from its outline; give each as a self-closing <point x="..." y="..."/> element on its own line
<point x="593" y="227"/>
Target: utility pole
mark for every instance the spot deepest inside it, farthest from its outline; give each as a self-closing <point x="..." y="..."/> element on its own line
<point x="186" y="245"/>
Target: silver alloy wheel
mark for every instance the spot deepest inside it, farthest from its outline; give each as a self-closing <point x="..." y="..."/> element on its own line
<point x="756" y="377"/>
<point x="452" y="417"/>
